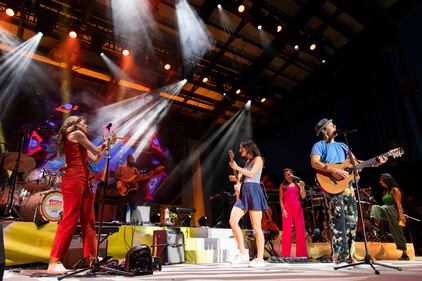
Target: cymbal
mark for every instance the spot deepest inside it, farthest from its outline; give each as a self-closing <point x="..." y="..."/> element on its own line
<point x="26" y="163"/>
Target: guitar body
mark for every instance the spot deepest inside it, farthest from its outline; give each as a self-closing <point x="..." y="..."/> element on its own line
<point x="335" y="185"/>
<point x="332" y="184"/>
<point x="124" y="186"/>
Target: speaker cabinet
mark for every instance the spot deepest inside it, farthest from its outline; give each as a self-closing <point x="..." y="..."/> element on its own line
<point x="169" y="245"/>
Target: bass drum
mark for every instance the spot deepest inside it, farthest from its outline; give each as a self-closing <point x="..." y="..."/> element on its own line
<point x="43" y="206"/>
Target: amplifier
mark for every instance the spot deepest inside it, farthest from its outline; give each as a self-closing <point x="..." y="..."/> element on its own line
<point x="169" y="245"/>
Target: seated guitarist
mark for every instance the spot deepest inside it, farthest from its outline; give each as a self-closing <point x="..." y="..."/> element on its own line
<point x="342" y="206"/>
<point x="124" y="174"/>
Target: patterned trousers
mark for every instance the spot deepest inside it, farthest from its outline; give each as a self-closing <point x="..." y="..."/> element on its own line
<point x="343" y="223"/>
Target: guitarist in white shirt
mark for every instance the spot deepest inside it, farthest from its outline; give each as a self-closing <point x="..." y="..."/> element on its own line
<point x="123" y="174"/>
<point x="342" y="206"/>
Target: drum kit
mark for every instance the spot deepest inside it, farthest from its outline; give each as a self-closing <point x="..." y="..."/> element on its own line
<point x="36" y="191"/>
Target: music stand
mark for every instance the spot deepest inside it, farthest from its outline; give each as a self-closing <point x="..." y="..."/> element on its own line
<point x="368" y="259"/>
<point x="96" y="268"/>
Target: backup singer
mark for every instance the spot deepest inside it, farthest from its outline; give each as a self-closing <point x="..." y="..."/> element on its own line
<point x="252" y="199"/>
<point x="392" y="212"/>
<point x="77" y="197"/>
<point x="342" y="206"/>
<point x="292" y="212"/>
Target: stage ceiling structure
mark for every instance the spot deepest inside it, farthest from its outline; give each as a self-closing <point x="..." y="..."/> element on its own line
<point x="238" y="59"/>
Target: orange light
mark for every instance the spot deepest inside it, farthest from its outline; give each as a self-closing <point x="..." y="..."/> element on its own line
<point x="73" y="34"/>
<point x="279" y="28"/>
<point x="167" y="66"/>
<point x="238" y="91"/>
<point x="241" y="8"/>
<point x="125" y="52"/>
<point x="205" y="80"/>
<point x="312" y="47"/>
<point x="263" y="99"/>
<point x="10" y="12"/>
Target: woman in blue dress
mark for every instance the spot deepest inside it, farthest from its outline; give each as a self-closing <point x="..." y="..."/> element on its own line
<point x="250" y="197"/>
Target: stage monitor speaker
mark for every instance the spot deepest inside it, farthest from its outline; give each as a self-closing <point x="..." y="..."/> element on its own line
<point x="2" y="255"/>
<point x="169" y="245"/>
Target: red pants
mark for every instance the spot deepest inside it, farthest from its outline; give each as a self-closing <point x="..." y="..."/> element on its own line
<point x="295" y="214"/>
<point x="78" y="205"/>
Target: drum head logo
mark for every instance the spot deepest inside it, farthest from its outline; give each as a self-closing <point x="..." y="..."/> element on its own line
<point x="52" y="206"/>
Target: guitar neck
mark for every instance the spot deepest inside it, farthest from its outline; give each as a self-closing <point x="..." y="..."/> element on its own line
<point x="370" y="162"/>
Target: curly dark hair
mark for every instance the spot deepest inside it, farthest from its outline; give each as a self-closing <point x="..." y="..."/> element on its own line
<point x="69" y="125"/>
<point x="389" y="181"/>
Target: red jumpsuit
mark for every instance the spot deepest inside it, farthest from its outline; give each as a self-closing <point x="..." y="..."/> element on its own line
<point x="294" y="210"/>
<point x="77" y="204"/>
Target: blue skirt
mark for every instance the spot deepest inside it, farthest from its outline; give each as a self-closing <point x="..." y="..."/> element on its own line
<point x="252" y="197"/>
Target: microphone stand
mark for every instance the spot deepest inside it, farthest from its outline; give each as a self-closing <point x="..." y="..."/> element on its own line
<point x="96" y="268"/>
<point x="368" y="259"/>
<point x="8" y="212"/>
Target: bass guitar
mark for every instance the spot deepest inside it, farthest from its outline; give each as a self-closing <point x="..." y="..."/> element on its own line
<point x="334" y="185"/>
<point x="124" y="186"/>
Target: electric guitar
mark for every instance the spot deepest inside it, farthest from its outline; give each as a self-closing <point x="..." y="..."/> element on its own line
<point x="334" y="185"/>
<point x="126" y="185"/>
<point x="237" y="175"/>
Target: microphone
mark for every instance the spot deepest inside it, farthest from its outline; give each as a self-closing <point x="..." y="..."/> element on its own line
<point x="346" y="131"/>
<point x="109" y="126"/>
<point x="296" y="178"/>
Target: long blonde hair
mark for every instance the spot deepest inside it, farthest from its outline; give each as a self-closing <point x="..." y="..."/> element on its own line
<point x="69" y="125"/>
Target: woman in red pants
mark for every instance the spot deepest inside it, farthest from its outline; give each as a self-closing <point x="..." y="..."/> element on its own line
<point x="291" y="209"/>
<point x="77" y="197"/>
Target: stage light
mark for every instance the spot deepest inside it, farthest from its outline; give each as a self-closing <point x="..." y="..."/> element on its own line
<point x="312" y="47"/>
<point x="219" y="6"/>
<point x="167" y="66"/>
<point x="125" y="52"/>
<point x="238" y="91"/>
<point x="324" y="61"/>
<point x="259" y="27"/>
<point x="202" y="221"/>
<point x="224" y="94"/>
<point x="248" y="104"/>
<point x="10" y="12"/>
<point x="241" y="8"/>
<point x="139" y="260"/>
<point x="296" y="47"/>
<point x="279" y="28"/>
<point x="205" y="79"/>
<point x="263" y="99"/>
<point x="73" y="34"/>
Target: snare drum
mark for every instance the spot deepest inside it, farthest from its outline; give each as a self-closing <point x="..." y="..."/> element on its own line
<point x="47" y="205"/>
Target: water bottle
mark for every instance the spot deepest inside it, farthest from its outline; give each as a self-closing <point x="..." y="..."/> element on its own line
<point x="166" y="215"/>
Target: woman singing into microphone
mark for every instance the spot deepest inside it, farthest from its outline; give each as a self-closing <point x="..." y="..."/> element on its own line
<point x="252" y="199"/>
<point x="77" y="197"/>
<point x="290" y="190"/>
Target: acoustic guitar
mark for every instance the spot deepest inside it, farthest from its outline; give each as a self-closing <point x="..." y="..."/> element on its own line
<point x="335" y="185"/>
<point x="124" y="186"/>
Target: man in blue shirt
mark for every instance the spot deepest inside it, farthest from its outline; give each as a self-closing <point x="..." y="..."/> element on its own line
<point x="342" y="206"/>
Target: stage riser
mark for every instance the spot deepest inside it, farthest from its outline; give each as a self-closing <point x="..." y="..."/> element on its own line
<point x="25" y="243"/>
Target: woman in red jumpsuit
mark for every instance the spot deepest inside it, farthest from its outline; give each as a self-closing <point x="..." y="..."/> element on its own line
<point x="77" y="197"/>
